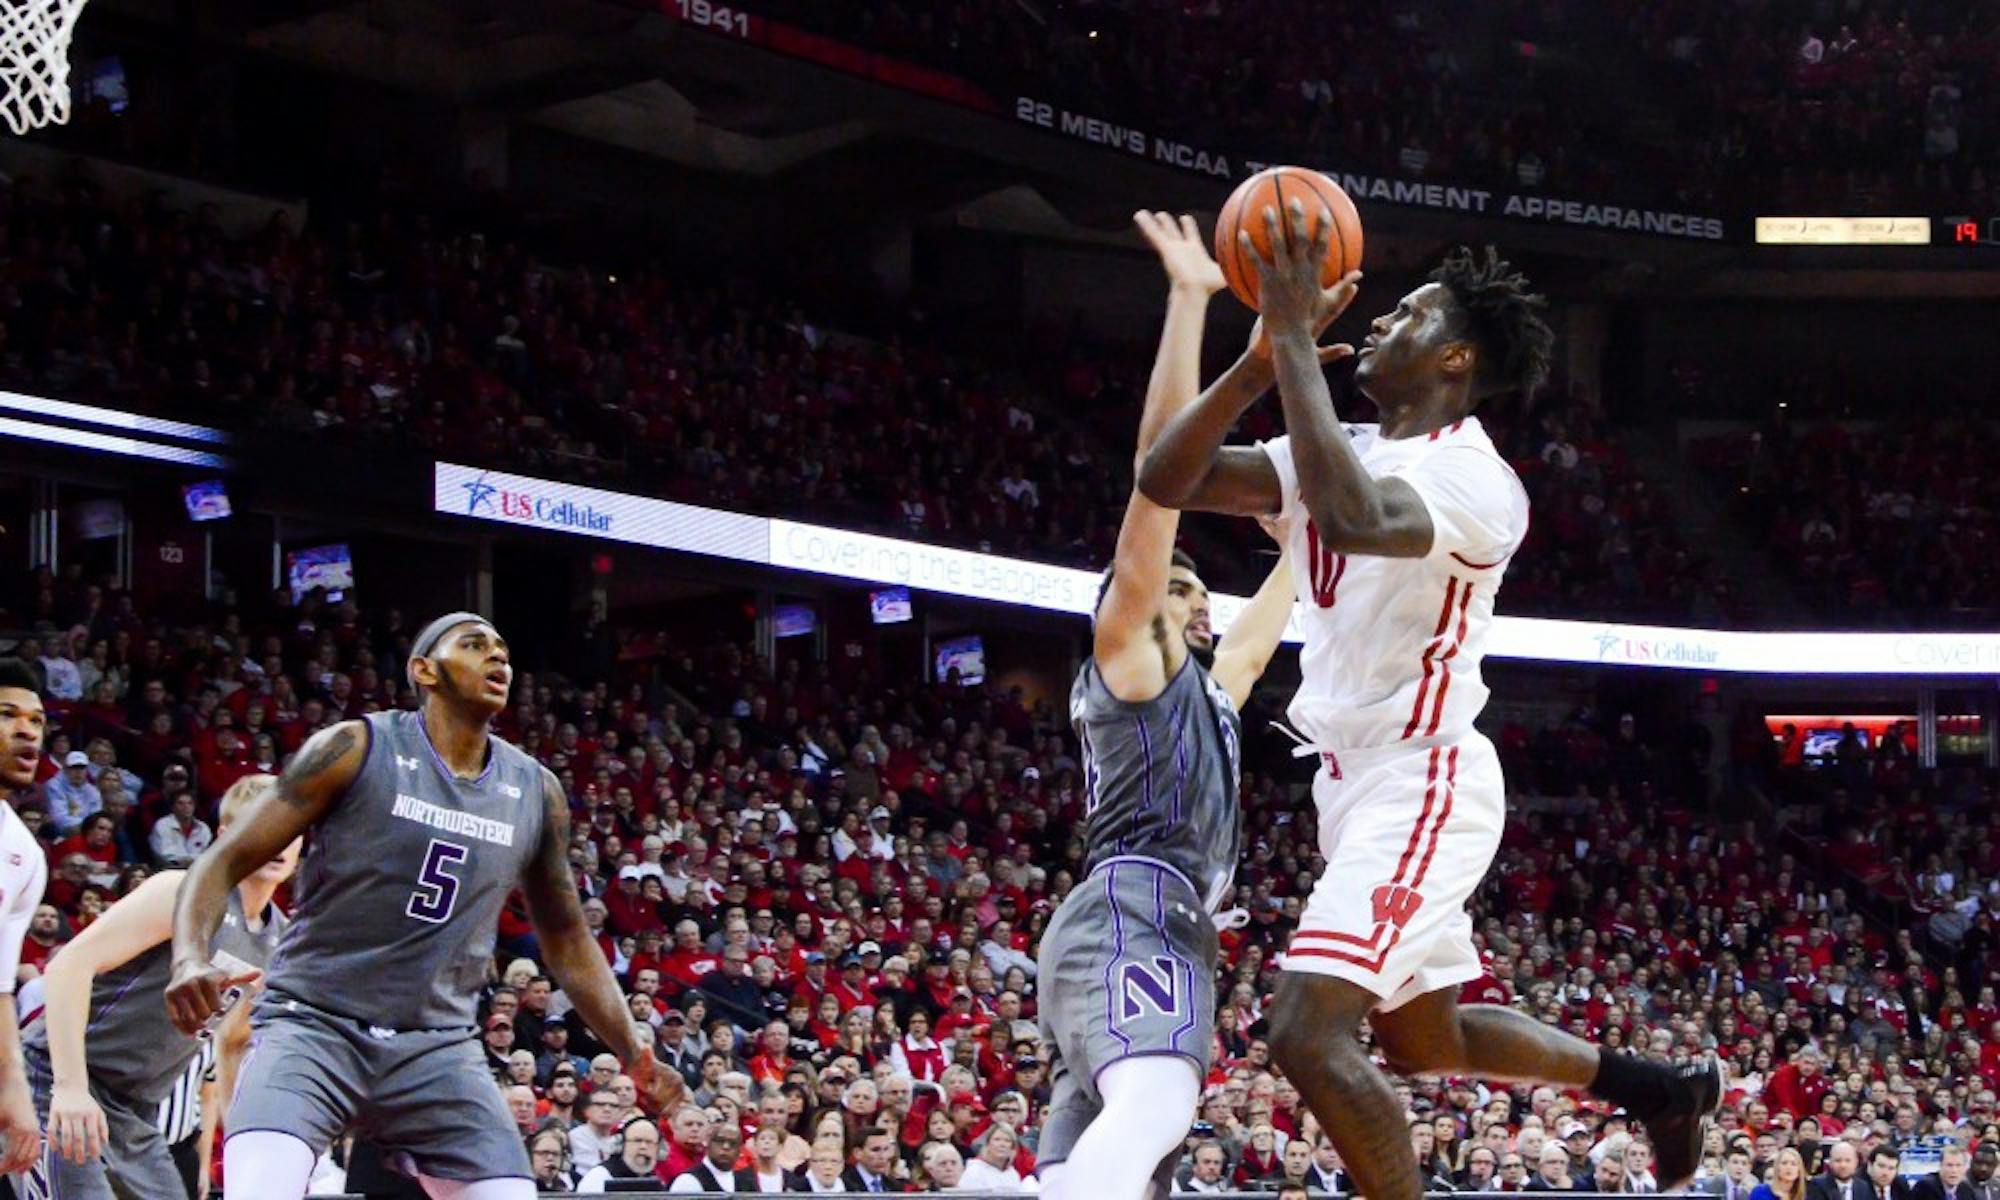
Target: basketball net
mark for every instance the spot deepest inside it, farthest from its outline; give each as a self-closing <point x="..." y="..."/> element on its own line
<point x="34" y="61"/>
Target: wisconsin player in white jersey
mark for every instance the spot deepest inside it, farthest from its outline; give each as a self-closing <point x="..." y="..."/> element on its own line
<point x="1402" y="532"/>
<point x="23" y="872"/>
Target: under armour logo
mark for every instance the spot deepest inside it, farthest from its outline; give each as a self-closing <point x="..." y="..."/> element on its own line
<point x="408" y="764"/>
<point x="381" y="1033"/>
<point x="230" y="920"/>
<point x="512" y="792"/>
<point x="1394" y="902"/>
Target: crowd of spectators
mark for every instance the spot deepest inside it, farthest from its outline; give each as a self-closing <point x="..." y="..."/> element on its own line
<point x="825" y="896"/>
<point x="1881" y="523"/>
<point x="1703" y="103"/>
<point x="403" y="335"/>
<point x="1602" y="538"/>
<point x="1809" y="106"/>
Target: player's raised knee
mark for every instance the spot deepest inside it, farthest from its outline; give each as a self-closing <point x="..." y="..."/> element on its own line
<point x="1294" y="1040"/>
<point x="1311" y="1013"/>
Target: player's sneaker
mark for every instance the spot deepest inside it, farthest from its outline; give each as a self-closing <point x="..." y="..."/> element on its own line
<point x="1677" y="1134"/>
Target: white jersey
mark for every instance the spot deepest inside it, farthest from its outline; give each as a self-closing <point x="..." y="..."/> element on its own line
<point x="1393" y="645"/>
<point x="24" y="871"/>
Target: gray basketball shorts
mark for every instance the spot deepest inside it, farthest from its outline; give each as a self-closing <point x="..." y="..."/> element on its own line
<point x="1126" y="969"/>
<point x="137" y="1163"/>
<point x="424" y="1096"/>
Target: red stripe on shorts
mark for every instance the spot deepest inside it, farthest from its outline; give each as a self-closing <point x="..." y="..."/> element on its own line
<point x="1444" y="814"/>
<point x="1423" y="868"/>
<point x="1402" y="865"/>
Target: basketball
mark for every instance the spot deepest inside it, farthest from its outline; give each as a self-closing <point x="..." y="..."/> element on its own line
<point x="1276" y="188"/>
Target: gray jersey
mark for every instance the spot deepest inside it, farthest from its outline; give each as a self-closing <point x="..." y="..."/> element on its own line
<point x="400" y="890"/>
<point x="133" y="1049"/>
<point x="1161" y="776"/>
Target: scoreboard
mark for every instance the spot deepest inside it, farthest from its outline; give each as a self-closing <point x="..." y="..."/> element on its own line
<point x="1950" y="230"/>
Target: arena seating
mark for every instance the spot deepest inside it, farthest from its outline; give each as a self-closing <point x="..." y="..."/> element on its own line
<point x="883" y="853"/>
<point x="401" y="335"/>
<point x="1696" y="103"/>
<point x="1878" y="526"/>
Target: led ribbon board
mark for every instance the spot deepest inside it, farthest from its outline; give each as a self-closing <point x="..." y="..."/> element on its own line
<point x="520" y="500"/>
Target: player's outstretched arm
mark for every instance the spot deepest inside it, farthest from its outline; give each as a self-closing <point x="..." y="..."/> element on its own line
<point x="1254" y="635"/>
<point x="134" y="925"/>
<point x="1353" y="512"/>
<point x="573" y="957"/>
<point x="318" y="775"/>
<point x="1130" y="655"/>
<point x="1189" y="467"/>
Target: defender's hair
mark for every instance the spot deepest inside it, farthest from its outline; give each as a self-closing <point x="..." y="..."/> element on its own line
<point x="240" y="794"/>
<point x="1181" y="559"/>
<point x="1503" y="317"/>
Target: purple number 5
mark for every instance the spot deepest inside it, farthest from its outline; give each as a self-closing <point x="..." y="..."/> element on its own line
<point x="437" y="887"/>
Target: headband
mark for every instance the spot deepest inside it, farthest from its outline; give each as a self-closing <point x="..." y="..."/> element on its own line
<point x="433" y="633"/>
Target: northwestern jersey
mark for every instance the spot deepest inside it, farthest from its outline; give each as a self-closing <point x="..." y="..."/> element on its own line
<point x="1160" y="776"/>
<point x="133" y="1048"/>
<point x="400" y="890"/>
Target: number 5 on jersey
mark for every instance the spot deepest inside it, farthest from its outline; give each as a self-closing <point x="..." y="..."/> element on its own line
<point x="437" y="887"/>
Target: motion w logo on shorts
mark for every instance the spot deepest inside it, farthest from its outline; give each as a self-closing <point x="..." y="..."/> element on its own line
<point x="1396" y="903"/>
<point x="1153" y="988"/>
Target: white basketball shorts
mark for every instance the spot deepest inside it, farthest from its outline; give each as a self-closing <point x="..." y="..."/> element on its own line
<point x="1407" y="834"/>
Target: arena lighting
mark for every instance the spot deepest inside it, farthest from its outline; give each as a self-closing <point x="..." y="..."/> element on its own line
<point x="110" y="418"/>
<point x="108" y="443"/>
<point x="128" y="435"/>
<point x="869" y="558"/>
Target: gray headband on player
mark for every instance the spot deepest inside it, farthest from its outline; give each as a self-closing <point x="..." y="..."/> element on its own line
<point x="433" y="633"/>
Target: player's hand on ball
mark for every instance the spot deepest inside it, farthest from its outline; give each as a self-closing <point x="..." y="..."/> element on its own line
<point x="1260" y="341"/>
<point x="77" y="1127"/>
<point x="1288" y="281"/>
<point x="1182" y="251"/>
<point x="20" y="1132"/>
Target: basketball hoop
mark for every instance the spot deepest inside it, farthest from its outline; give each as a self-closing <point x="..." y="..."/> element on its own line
<point x="34" y="61"/>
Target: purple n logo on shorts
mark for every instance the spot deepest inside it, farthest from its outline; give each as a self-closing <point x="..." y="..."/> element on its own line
<point x="1141" y="987"/>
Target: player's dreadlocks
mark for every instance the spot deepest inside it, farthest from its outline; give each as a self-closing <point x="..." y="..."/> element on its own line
<point x="1504" y="318"/>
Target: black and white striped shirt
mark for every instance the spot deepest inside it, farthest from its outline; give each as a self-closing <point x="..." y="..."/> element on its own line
<point x="180" y="1111"/>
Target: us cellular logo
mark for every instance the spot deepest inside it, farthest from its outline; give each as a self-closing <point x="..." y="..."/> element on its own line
<point x="1614" y="647"/>
<point x="532" y="508"/>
